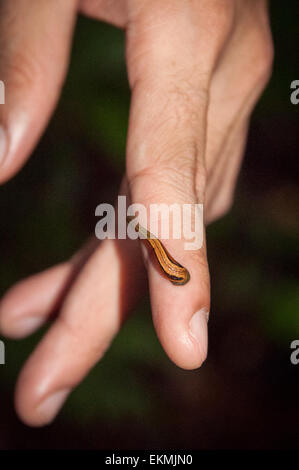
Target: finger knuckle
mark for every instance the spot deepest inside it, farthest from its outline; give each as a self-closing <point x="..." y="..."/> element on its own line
<point x="164" y="182"/>
<point x="188" y="96"/>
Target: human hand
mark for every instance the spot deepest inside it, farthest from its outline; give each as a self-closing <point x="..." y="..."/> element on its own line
<point x="196" y="69"/>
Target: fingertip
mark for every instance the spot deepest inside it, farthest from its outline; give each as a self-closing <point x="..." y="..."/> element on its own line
<point x="191" y="357"/>
<point x="36" y="400"/>
<point x="39" y="414"/>
<point x="27" y="305"/>
<point x="16" y="318"/>
<point x="9" y="312"/>
<point x="185" y="342"/>
<point x="20" y="329"/>
<point x="25" y="393"/>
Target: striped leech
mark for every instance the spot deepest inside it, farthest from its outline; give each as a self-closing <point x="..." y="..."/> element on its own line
<point x="174" y="271"/>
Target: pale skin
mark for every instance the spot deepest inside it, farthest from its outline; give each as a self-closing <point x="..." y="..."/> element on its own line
<point x="196" y="69"/>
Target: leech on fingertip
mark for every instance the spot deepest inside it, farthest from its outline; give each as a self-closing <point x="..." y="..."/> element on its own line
<point x="174" y="271"/>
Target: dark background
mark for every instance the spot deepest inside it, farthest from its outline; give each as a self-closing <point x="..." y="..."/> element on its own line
<point x="246" y="394"/>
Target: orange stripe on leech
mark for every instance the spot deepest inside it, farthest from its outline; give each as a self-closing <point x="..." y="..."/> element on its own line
<point x="176" y="273"/>
<point x="169" y="266"/>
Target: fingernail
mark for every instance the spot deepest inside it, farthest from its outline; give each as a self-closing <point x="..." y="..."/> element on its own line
<point x="28" y="325"/>
<point x="49" y="408"/>
<point x="199" y="329"/>
<point x="3" y="144"/>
